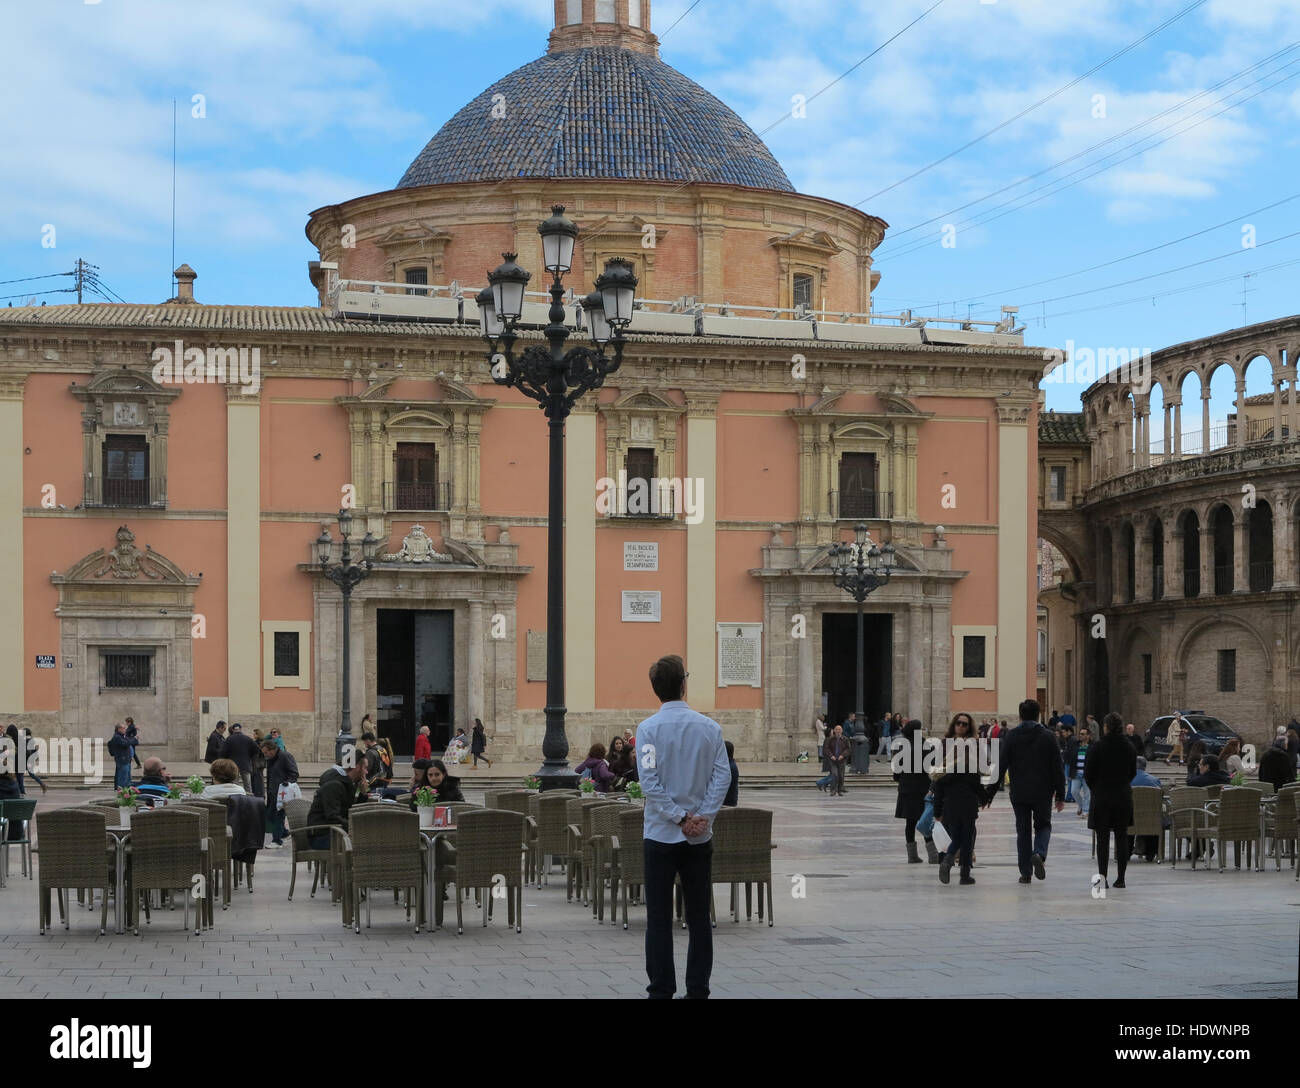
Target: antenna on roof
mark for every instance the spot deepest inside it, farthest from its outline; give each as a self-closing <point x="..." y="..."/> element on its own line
<point x="173" y="291"/>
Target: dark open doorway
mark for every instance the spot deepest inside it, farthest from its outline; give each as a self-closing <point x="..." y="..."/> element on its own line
<point x="839" y="678"/>
<point x="415" y="677"/>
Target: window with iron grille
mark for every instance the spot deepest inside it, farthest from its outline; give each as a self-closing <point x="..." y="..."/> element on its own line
<point x="972" y="657"/>
<point x="1227" y="670"/>
<point x="803" y="290"/>
<point x="127" y="670"/>
<point x="1146" y="674"/>
<point x="416" y="275"/>
<point x="286" y="653"/>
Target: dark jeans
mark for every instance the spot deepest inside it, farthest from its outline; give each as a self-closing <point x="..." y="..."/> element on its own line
<point x="275" y="817"/>
<point x="962" y="833"/>
<point x="1040" y="813"/>
<point x="837" y="776"/>
<point x="121" y="773"/>
<point x="664" y="862"/>
<point x="320" y="840"/>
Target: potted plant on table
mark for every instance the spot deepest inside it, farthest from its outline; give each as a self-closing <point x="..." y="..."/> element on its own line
<point x="425" y="799"/>
<point x="195" y="785"/>
<point x="587" y="786"/>
<point x="532" y="782"/>
<point x="127" y="799"/>
<point x="634" y="791"/>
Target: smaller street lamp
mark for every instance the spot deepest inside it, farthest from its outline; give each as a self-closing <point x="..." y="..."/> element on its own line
<point x="860" y="569"/>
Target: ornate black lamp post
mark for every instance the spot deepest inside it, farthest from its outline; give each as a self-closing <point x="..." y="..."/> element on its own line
<point x="346" y="574"/>
<point x="556" y="379"/>
<point x="860" y="569"/>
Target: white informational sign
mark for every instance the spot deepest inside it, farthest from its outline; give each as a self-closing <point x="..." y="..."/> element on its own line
<point x="640" y="606"/>
<point x="740" y="655"/>
<point x="640" y="555"/>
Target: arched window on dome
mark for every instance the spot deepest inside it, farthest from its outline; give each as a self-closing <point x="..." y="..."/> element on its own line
<point x="605" y="11"/>
<point x="573" y="12"/>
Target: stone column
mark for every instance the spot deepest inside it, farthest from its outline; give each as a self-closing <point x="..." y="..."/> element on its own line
<point x="580" y="472"/>
<point x="1142" y="590"/>
<point x="1284" y="564"/>
<point x="917" y="653"/>
<point x="1241" y="413"/>
<point x="13" y="651"/>
<point x="702" y="552"/>
<point x="1173" y="555"/>
<point x="243" y="555"/>
<point x="1207" y="560"/>
<point x="1176" y="437"/>
<point x="1290" y="400"/>
<point x="808" y="699"/>
<point x="1014" y="563"/>
<point x="1240" y="554"/>
<point x="1118" y="567"/>
<point x="1277" y="408"/>
<point x="474" y="660"/>
<point x="1205" y="419"/>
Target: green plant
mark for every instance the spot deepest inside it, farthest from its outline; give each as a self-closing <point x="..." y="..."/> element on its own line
<point x="128" y="797"/>
<point x="587" y="786"/>
<point x="532" y="782"/>
<point x="426" y="797"/>
<point x="194" y="784"/>
<point x="635" y="791"/>
<point x="174" y="792"/>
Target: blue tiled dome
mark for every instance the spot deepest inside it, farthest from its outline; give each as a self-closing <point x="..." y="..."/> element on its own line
<point x="600" y="112"/>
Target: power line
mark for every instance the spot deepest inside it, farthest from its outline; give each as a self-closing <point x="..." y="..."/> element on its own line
<point x="679" y="19"/>
<point x="28" y="279"/>
<point x="897" y="234"/>
<point x="1047" y="190"/>
<point x="1041" y="102"/>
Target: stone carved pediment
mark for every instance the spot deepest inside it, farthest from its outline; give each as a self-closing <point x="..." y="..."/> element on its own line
<point x="815" y="242"/>
<point x="417" y="548"/>
<point x="125" y="562"/>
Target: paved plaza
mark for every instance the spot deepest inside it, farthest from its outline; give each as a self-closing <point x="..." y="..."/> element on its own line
<point x="870" y="925"/>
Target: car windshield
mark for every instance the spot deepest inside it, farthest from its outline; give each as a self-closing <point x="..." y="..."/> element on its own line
<point x="1212" y="726"/>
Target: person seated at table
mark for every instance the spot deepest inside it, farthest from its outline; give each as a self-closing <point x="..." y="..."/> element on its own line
<point x="1146" y="845"/>
<point x="445" y="784"/>
<point x="340" y="788"/>
<point x="1276" y="765"/>
<point x="155" y="781"/>
<point x="1208" y="773"/>
<point x="596" y="768"/>
<point x="225" y="781"/>
<point x="622" y="763"/>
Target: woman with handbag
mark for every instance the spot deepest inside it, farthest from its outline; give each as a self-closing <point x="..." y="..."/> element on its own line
<point x="281" y="773"/>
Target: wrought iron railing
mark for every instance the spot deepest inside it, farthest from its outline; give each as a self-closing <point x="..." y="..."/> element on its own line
<point x="861" y="504"/>
<point x="101" y="491"/>
<point x="413" y="496"/>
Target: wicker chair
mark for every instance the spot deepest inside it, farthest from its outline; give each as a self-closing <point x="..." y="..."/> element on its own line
<point x="1266" y="788"/>
<point x="491" y="797"/>
<point x="1148" y="816"/>
<point x="219" y="834"/>
<point x="552" y="829"/>
<point x="1237" y="822"/>
<point x="518" y="801"/>
<point x="18" y="813"/>
<point x="629" y="855"/>
<point x="579" y="846"/>
<point x="742" y="854"/>
<point x="489" y="849"/>
<point x="387" y="852"/>
<point x="296" y="815"/>
<point x="210" y="823"/>
<point x="1188" y="820"/>
<point x="167" y="849"/>
<point x="73" y="855"/>
<point x="605" y="823"/>
<point x="1280" y="826"/>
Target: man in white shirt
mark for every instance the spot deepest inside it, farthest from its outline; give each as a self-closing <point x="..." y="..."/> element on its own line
<point x="684" y="775"/>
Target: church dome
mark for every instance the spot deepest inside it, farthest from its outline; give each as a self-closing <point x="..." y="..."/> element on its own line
<point x="597" y="112"/>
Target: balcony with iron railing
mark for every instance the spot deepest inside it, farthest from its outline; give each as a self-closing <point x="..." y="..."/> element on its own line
<point x="644" y="503"/>
<point x="419" y="497"/>
<point x="1222" y="579"/>
<point x="100" y="491"/>
<point x="871" y="505"/>
<point x="1261" y="577"/>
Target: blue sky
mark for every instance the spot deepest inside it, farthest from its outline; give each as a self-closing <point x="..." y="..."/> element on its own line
<point x="307" y="104"/>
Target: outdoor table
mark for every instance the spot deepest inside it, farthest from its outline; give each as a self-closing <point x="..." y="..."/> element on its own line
<point x="120" y="836"/>
<point x="431" y="835"/>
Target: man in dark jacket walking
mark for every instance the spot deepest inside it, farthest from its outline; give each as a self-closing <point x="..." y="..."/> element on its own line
<point x="215" y="740"/>
<point x="836" y="751"/>
<point x="339" y="789"/>
<point x="1030" y="754"/>
<point x="241" y="750"/>
<point x="281" y="767"/>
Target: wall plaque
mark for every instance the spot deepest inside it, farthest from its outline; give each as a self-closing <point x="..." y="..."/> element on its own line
<point x="640" y="606"/>
<point x="640" y="555"/>
<point x="740" y="655"/>
<point x="536" y="668"/>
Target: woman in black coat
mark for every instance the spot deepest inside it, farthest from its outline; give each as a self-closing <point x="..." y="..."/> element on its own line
<point x="957" y="801"/>
<point x="1109" y="771"/>
<point x="913" y="785"/>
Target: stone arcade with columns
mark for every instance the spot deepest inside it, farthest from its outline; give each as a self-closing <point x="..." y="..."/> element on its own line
<point x="1187" y="547"/>
<point x="756" y="372"/>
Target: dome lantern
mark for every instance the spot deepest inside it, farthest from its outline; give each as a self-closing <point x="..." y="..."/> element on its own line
<point x="581" y="24"/>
